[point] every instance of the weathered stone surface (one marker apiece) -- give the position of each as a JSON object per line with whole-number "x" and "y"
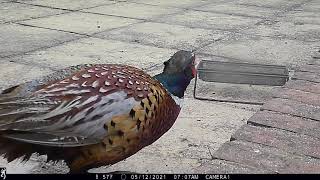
{"x": 313, "y": 5}
{"x": 238, "y": 9}
{"x": 180, "y": 4}
{"x": 216, "y": 166}
{"x": 14, "y": 73}
{"x": 69, "y": 4}
{"x": 308, "y": 76}
{"x": 310, "y": 68}
{"x": 164, "y": 35}
{"x": 95, "y": 50}
{"x": 14, "y": 12}
{"x": 303, "y": 17}
{"x": 84, "y": 23}
{"x": 133, "y": 10}
{"x": 198, "y": 19}
{"x": 281, "y": 139}
{"x": 17, "y": 39}
{"x": 286, "y": 122}
{"x": 286, "y": 30}
{"x": 303, "y": 86}
{"x": 270, "y": 3}
{"x": 298, "y": 95}
{"x": 293, "y": 108}
{"x": 261, "y": 50}
{"x": 268, "y": 158}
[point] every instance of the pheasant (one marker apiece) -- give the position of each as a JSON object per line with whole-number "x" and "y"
{"x": 93, "y": 114}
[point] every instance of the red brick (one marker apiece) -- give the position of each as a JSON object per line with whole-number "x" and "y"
{"x": 293, "y": 107}
{"x": 217, "y": 166}
{"x": 281, "y": 139}
{"x": 308, "y": 76}
{"x": 287, "y": 122}
{"x": 303, "y": 86}
{"x": 315, "y": 61}
{"x": 310, "y": 68}
{"x": 298, "y": 95}
{"x": 264, "y": 157}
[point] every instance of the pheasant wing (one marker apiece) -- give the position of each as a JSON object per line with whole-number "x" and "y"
{"x": 66, "y": 111}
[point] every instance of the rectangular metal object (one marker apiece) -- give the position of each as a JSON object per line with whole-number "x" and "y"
{"x": 243, "y": 73}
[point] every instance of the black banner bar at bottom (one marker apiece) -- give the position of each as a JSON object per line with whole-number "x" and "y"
{"x": 107, "y": 176}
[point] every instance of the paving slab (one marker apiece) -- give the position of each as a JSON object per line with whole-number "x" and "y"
{"x": 68, "y": 4}
{"x": 234, "y": 8}
{"x": 298, "y": 95}
{"x": 262, "y": 50}
{"x": 287, "y": 122}
{"x": 269, "y": 158}
{"x": 164, "y": 35}
{"x": 16, "y": 39}
{"x": 82, "y": 23}
{"x": 95, "y": 50}
{"x": 293, "y": 107}
{"x": 302, "y": 17}
{"x": 199, "y": 19}
{"x": 289, "y": 30}
{"x": 139, "y": 11}
{"x": 15, "y": 12}
{"x": 313, "y": 6}
{"x": 304, "y": 86}
{"x": 180, "y": 3}
{"x": 271, "y": 3}
{"x": 308, "y": 76}
{"x": 280, "y": 139}
{"x": 226, "y": 167}
{"x": 14, "y": 73}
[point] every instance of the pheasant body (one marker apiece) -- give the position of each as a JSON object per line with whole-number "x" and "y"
{"x": 90, "y": 115}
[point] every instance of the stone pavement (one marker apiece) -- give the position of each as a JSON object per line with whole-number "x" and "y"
{"x": 38, "y": 37}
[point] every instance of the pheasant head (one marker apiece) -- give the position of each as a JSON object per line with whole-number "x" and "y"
{"x": 178, "y": 71}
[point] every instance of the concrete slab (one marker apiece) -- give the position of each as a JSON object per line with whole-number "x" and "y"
{"x": 83, "y": 23}
{"x": 302, "y": 17}
{"x": 198, "y": 19}
{"x": 233, "y": 8}
{"x": 16, "y": 39}
{"x": 15, "y": 12}
{"x": 262, "y": 50}
{"x": 180, "y": 4}
{"x": 139, "y": 11}
{"x": 313, "y": 6}
{"x": 164, "y": 35}
{"x": 68, "y": 4}
{"x": 14, "y": 73}
{"x": 95, "y": 50}
{"x": 271, "y": 3}
{"x": 290, "y": 30}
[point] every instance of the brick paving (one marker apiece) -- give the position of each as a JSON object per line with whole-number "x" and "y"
{"x": 284, "y": 136}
